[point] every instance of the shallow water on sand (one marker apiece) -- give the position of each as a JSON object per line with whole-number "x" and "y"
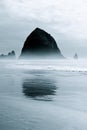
{"x": 43, "y": 95}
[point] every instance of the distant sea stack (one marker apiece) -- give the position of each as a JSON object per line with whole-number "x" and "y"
{"x": 75, "y": 56}
{"x": 40, "y": 44}
{"x": 10, "y": 55}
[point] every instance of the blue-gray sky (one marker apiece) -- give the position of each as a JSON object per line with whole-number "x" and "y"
{"x": 65, "y": 20}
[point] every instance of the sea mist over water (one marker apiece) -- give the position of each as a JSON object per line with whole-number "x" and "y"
{"x": 51, "y": 64}
{"x": 43, "y": 94}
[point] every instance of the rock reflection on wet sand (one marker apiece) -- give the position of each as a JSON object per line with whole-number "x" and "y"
{"x": 39, "y": 88}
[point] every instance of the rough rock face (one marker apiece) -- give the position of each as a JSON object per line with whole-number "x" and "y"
{"x": 40, "y": 43}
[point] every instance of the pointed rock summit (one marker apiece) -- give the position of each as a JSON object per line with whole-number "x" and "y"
{"x": 39, "y": 43}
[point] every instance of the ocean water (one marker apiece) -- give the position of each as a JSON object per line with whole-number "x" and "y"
{"x": 43, "y": 95}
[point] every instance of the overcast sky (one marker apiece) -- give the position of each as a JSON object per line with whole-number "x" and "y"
{"x": 65, "y": 20}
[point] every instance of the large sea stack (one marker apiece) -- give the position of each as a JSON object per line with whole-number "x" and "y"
{"x": 40, "y": 44}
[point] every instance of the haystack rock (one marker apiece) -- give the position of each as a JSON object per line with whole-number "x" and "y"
{"x": 40, "y": 44}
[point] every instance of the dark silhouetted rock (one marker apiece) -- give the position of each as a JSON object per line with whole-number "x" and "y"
{"x": 11, "y": 54}
{"x": 40, "y": 43}
{"x": 2, "y": 56}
